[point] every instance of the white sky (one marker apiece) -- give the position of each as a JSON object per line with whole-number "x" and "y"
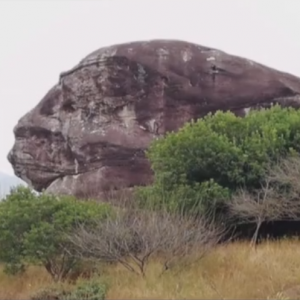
{"x": 39, "y": 39}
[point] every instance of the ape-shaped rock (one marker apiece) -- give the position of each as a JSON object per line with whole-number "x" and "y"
{"x": 89, "y": 133}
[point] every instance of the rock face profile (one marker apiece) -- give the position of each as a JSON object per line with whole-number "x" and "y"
{"x": 90, "y": 131}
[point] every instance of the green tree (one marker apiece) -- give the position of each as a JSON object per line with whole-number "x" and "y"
{"x": 34, "y": 229}
{"x": 220, "y": 153}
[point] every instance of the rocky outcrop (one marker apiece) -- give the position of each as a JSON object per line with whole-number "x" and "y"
{"x": 89, "y": 133}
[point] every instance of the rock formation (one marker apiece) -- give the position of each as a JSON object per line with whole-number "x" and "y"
{"x": 88, "y": 134}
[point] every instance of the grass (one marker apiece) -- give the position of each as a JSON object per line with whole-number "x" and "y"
{"x": 233, "y": 271}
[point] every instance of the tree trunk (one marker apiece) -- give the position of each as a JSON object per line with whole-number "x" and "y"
{"x": 255, "y": 235}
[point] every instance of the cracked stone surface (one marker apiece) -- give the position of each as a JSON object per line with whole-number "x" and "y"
{"x": 89, "y": 133}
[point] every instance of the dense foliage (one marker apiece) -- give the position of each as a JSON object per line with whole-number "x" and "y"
{"x": 207, "y": 160}
{"x": 34, "y": 229}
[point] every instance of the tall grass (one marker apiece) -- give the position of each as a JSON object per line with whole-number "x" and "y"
{"x": 233, "y": 271}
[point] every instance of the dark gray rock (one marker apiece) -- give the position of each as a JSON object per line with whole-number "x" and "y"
{"x": 89, "y": 133}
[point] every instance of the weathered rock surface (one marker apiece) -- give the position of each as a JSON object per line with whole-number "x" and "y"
{"x": 89, "y": 133}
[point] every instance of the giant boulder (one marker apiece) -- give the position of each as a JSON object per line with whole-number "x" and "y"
{"x": 90, "y": 131}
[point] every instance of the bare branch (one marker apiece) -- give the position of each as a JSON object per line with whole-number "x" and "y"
{"x": 133, "y": 236}
{"x": 277, "y": 200}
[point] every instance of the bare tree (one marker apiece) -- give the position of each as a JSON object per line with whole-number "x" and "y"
{"x": 133, "y": 236}
{"x": 277, "y": 200}
{"x": 287, "y": 174}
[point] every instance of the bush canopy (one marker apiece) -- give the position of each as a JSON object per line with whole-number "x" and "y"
{"x": 35, "y": 228}
{"x": 208, "y": 159}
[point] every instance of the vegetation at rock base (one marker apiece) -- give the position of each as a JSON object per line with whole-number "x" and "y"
{"x": 178, "y": 237}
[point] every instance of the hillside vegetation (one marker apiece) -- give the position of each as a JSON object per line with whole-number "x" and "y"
{"x": 200, "y": 231}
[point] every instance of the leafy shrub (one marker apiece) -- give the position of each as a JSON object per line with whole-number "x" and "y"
{"x": 198, "y": 199}
{"x": 34, "y": 229}
{"x": 50, "y": 293}
{"x": 87, "y": 290}
{"x": 220, "y": 153}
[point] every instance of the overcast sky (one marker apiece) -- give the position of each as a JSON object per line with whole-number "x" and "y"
{"x": 40, "y": 39}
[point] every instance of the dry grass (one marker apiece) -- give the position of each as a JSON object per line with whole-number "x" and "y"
{"x": 234, "y": 271}
{"x": 20, "y": 287}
